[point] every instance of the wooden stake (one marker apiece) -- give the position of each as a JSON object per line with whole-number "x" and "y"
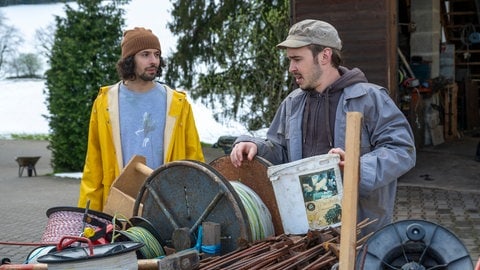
{"x": 211, "y": 236}
{"x": 348, "y": 236}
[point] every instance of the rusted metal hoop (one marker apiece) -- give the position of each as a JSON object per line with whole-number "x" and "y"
{"x": 254, "y": 175}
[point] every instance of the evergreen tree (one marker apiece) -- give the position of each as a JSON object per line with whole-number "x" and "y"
{"x": 226, "y": 52}
{"x": 85, "y": 50}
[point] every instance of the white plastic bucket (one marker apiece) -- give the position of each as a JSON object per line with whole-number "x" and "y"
{"x": 308, "y": 193}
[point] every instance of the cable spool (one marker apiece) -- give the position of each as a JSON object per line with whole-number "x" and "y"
{"x": 259, "y": 217}
{"x": 151, "y": 248}
{"x": 253, "y": 173}
{"x": 413, "y": 244}
{"x": 72, "y": 221}
{"x": 184, "y": 194}
{"x": 142, "y": 231}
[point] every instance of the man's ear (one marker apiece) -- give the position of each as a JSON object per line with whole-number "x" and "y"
{"x": 325, "y": 55}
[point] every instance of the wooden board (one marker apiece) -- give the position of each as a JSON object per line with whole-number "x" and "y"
{"x": 450, "y": 109}
{"x": 348, "y": 239}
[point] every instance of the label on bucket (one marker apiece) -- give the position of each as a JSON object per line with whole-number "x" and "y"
{"x": 308, "y": 193}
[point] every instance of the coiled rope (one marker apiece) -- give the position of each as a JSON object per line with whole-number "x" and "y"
{"x": 259, "y": 217}
{"x": 151, "y": 248}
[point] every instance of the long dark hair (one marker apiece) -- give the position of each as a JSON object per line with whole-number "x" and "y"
{"x": 126, "y": 68}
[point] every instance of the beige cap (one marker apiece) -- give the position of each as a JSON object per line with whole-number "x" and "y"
{"x": 308, "y": 32}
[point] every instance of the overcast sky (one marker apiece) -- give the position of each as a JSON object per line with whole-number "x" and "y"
{"x": 152, "y": 14}
{"x": 22, "y": 102}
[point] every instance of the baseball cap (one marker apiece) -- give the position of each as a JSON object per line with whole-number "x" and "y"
{"x": 308, "y": 32}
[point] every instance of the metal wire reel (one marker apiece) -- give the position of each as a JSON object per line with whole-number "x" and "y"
{"x": 183, "y": 194}
{"x": 413, "y": 245}
{"x": 252, "y": 173}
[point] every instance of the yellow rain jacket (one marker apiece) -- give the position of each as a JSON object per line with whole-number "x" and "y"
{"x": 104, "y": 161}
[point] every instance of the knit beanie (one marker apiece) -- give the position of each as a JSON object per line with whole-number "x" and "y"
{"x": 138, "y": 39}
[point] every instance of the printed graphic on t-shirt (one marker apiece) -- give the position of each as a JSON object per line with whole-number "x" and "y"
{"x": 148, "y": 127}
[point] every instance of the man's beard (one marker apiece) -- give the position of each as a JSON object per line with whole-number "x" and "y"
{"x": 146, "y": 77}
{"x": 309, "y": 85}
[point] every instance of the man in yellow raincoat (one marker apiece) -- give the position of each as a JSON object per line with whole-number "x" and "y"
{"x": 136, "y": 116}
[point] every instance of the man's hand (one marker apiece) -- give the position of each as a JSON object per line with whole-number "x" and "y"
{"x": 239, "y": 150}
{"x": 341, "y": 153}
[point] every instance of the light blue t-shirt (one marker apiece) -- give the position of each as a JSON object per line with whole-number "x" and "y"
{"x": 142, "y": 124}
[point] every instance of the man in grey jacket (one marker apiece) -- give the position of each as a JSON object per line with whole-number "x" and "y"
{"x": 312, "y": 120}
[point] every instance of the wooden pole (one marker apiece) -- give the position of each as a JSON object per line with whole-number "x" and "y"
{"x": 211, "y": 237}
{"x": 168, "y": 263}
{"x": 348, "y": 236}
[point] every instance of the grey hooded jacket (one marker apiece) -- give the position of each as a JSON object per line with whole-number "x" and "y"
{"x": 387, "y": 144}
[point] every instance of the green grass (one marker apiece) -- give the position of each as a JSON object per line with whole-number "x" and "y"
{"x": 204, "y": 144}
{"x": 23, "y": 136}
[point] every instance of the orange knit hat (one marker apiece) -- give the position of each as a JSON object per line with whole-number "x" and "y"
{"x": 138, "y": 39}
